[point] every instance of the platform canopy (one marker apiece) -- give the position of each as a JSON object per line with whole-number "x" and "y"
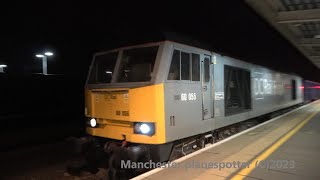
{"x": 297, "y": 20}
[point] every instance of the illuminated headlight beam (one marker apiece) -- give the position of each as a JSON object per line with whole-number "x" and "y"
{"x": 144, "y": 128}
{"x": 93, "y": 122}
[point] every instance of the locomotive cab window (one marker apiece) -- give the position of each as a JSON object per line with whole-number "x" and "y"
{"x": 206, "y": 69}
{"x": 184, "y": 66}
{"x": 237, "y": 90}
{"x": 136, "y": 65}
{"x": 195, "y": 67}
{"x": 103, "y": 68}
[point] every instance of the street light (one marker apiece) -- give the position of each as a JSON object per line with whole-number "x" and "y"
{"x": 48, "y": 53}
{"x": 1, "y": 67}
{"x": 44, "y": 61}
{"x": 39, "y": 55}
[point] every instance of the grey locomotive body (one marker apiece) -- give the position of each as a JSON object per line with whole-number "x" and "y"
{"x": 224, "y": 91}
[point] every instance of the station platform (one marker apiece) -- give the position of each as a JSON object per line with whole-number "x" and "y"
{"x": 286, "y": 147}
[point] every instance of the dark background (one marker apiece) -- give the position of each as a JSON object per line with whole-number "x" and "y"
{"x": 36, "y": 108}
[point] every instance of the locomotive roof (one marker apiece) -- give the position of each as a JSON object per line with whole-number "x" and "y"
{"x": 185, "y": 40}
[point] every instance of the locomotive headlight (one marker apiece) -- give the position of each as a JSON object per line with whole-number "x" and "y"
{"x": 93, "y": 122}
{"x": 144, "y": 128}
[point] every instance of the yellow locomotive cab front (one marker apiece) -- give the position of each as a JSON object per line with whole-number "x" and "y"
{"x": 121, "y": 113}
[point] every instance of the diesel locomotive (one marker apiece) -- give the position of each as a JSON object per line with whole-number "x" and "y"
{"x": 162, "y": 100}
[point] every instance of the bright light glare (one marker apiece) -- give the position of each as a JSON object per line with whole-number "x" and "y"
{"x": 3, "y": 65}
{"x": 39, "y": 55}
{"x": 145, "y": 128}
{"x": 93, "y": 122}
{"x": 108, "y": 72}
{"x": 48, "y": 53}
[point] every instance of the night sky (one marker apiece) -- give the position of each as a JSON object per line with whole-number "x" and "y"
{"x": 75, "y": 30}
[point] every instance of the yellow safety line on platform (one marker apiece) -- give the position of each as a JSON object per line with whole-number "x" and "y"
{"x": 245, "y": 172}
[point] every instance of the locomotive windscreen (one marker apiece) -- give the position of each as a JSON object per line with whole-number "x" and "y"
{"x": 136, "y": 65}
{"x": 103, "y": 67}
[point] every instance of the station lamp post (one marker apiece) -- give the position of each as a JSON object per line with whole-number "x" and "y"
{"x": 2, "y": 66}
{"x": 44, "y": 58}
